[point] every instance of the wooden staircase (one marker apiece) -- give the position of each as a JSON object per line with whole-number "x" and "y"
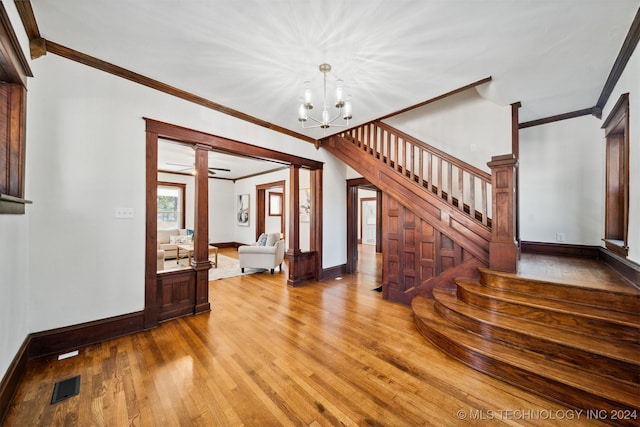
{"x": 436, "y": 209}
{"x": 575, "y": 344}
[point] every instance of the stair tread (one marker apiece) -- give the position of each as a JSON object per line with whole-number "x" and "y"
{"x": 592, "y": 383}
{"x": 622, "y": 351}
{"x": 568, "y": 307}
{"x": 595, "y": 286}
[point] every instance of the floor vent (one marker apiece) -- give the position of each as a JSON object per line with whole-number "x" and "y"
{"x": 65, "y": 389}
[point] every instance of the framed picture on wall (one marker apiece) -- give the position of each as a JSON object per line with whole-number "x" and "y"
{"x": 305, "y": 204}
{"x": 275, "y": 204}
{"x": 243, "y": 210}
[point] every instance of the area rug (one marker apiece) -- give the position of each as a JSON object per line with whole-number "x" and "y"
{"x": 227, "y": 267}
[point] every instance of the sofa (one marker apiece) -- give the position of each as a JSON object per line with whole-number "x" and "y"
{"x": 267, "y": 253}
{"x": 168, "y": 241}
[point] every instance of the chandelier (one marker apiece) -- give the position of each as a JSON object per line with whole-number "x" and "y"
{"x": 341, "y": 103}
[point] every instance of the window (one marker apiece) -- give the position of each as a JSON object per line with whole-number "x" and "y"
{"x": 617, "y": 178}
{"x": 171, "y": 206}
{"x": 14, "y": 71}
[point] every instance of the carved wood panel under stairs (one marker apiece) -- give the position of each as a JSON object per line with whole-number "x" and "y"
{"x": 415, "y": 254}
{"x": 427, "y": 239}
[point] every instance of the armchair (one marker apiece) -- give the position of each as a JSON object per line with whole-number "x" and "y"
{"x": 268, "y": 255}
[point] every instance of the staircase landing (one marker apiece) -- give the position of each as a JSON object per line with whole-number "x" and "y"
{"x": 572, "y": 271}
{"x": 565, "y": 328}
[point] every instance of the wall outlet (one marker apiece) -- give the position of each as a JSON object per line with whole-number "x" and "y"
{"x": 560, "y": 237}
{"x": 124, "y": 213}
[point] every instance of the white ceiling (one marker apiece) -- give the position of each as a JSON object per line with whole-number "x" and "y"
{"x": 553, "y": 56}
{"x": 174, "y": 157}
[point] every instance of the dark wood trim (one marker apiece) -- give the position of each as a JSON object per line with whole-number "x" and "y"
{"x": 13, "y": 376}
{"x": 558, "y": 249}
{"x": 515, "y": 150}
{"x": 333, "y": 272}
{"x": 432, "y": 100}
{"x": 253, "y": 175}
{"x": 628, "y": 46}
{"x": 627, "y": 269}
{"x": 70, "y": 338}
{"x": 90, "y": 61}
{"x": 28, "y": 18}
{"x": 151, "y": 290}
{"x": 14, "y": 67}
{"x": 618, "y": 112}
{"x": 190, "y": 136}
{"x": 352, "y": 224}
{"x": 317, "y": 220}
{"x": 579, "y": 113}
{"x": 261, "y": 191}
{"x": 227, "y": 244}
{"x": 200, "y": 262}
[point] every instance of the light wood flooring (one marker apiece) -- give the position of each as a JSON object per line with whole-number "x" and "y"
{"x": 323, "y": 354}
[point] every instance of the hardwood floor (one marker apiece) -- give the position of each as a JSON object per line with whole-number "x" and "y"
{"x": 323, "y": 354}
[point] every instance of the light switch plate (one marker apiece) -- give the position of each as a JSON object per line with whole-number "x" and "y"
{"x": 124, "y": 213}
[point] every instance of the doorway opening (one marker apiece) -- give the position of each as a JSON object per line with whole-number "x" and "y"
{"x": 364, "y": 228}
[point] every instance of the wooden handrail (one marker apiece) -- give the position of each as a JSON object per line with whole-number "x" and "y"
{"x": 449, "y": 178}
{"x": 453, "y": 160}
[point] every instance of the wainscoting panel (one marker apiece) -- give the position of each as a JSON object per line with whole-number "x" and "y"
{"x": 415, "y": 252}
{"x": 177, "y": 290}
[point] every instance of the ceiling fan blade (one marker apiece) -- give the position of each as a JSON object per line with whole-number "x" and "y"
{"x": 220, "y": 169}
{"x": 185, "y": 167}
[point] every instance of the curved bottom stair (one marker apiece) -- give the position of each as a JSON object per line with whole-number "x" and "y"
{"x": 577, "y": 345}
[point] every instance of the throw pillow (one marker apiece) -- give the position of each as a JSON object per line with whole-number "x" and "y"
{"x": 262, "y": 240}
{"x": 272, "y": 238}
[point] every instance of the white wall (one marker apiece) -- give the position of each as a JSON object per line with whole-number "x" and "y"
{"x": 247, "y": 235}
{"x": 14, "y": 286}
{"x": 86, "y": 157}
{"x": 464, "y": 125}
{"x": 222, "y": 211}
{"x": 630, "y": 83}
{"x": 562, "y": 182}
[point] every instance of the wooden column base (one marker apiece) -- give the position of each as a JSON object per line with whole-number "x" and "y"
{"x": 503, "y": 256}
{"x": 302, "y": 267}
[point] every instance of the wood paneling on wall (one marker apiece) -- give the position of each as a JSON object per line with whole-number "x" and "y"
{"x": 415, "y": 252}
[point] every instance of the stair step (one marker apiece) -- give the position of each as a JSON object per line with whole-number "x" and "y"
{"x": 619, "y": 298}
{"x": 593, "y": 321}
{"x": 563, "y": 383}
{"x": 616, "y": 360}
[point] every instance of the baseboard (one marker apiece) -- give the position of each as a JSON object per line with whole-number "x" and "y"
{"x": 70, "y": 338}
{"x": 559, "y": 249}
{"x": 226, "y": 244}
{"x": 12, "y": 378}
{"x": 333, "y": 272}
{"x": 627, "y": 269}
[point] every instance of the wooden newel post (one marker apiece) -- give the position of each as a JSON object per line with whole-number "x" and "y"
{"x": 503, "y": 248}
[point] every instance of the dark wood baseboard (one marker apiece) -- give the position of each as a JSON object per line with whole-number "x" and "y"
{"x": 12, "y": 378}
{"x": 227, "y": 244}
{"x": 558, "y": 249}
{"x": 332, "y": 272}
{"x": 69, "y": 338}
{"x": 627, "y": 269}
